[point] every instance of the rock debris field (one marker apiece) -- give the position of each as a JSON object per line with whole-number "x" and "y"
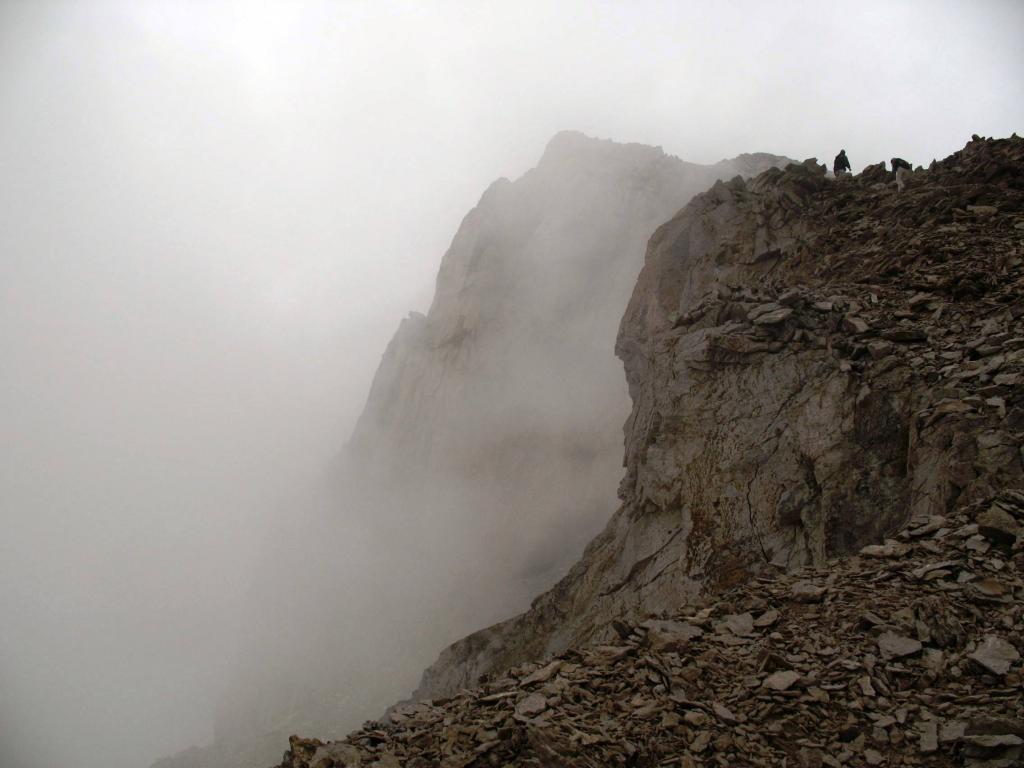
{"x": 907, "y": 654}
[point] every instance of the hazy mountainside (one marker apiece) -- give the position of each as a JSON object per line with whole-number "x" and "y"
{"x": 487, "y": 455}
{"x": 814, "y": 364}
{"x": 811, "y": 362}
{"x": 501, "y": 409}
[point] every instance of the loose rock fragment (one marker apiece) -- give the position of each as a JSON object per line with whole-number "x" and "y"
{"x": 781, "y": 681}
{"x": 895, "y": 646}
{"x": 996, "y": 655}
{"x": 807, "y": 592}
{"x": 532, "y": 705}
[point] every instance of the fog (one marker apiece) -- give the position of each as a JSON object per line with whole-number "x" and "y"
{"x": 213, "y": 217}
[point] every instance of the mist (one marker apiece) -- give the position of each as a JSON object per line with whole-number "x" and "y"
{"x": 213, "y": 217}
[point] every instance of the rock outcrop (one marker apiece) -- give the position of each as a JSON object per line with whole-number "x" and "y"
{"x": 500, "y": 410}
{"x": 812, "y": 362}
{"x": 488, "y": 453}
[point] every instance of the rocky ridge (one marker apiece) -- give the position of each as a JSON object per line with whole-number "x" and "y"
{"x": 908, "y": 653}
{"x": 811, "y": 362}
{"x": 839, "y": 582}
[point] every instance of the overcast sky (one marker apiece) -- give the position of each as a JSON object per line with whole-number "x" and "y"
{"x": 213, "y": 215}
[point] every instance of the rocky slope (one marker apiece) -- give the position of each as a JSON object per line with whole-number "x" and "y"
{"x": 907, "y": 654}
{"x": 487, "y": 455}
{"x": 811, "y": 363}
{"x": 814, "y": 364}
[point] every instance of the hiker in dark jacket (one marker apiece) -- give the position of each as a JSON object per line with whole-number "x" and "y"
{"x": 841, "y": 164}
{"x": 902, "y": 170}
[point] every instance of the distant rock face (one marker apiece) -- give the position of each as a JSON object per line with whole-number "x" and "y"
{"x": 489, "y": 450}
{"x": 504, "y": 403}
{"x": 811, "y": 362}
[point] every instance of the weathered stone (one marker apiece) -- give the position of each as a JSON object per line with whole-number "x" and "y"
{"x": 904, "y": 335}
{"x": 893, "y": 646}
{"x": 996, "y": 655}
{"x": 531, "y": 705}
{"x": 738, "y": 624}
{"x": 724, "y": 713}
{"x": 336, "y": 755}
{"x": 543, "y": 674}
{"x": 853, "y": 324}
{"x": 998, "y": 525}
{"x": 807, "y": 592}
{"x": 888, "y": 549}
{"x": 772, "y": 316}
{"x": 781, "y": 681}
{"x": 670, "y": 635}
{"x": 929, "y": 740}
{"x": 983, "y": 210}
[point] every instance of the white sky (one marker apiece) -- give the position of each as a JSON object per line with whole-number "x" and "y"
{"x": 213, "y": 215}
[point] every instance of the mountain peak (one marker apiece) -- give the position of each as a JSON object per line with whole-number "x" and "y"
{"x": 569, "y": 146}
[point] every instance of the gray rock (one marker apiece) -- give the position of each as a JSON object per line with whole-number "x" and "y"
{"x": 996, "y": 655}
{"x": 337, "y": 754}
{"x": 893, "y": 646}
{"x": 781, "y": 681}
{"x": 741, "y": 624}
{"x": 543, "y": 674}
{"x": 531, "y": 705}
{"x": 998, "y": 525}
{"x": 770, "y": 317}
{"x": 889, "y": 549}
{"x": 807, "y": 592}
{"x": 853, "y": 324}
{"x": 929, "y": 741}
{"x": 670, "y": 635}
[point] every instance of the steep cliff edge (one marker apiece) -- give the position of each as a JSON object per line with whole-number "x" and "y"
{"x": 487, "y": 455}
{"x": 812, "y": 362}
{"x": 500, "y": 409}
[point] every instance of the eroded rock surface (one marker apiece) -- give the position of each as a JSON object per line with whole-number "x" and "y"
{"x": 812, "y": 362}
{"x": 500, "y": 410}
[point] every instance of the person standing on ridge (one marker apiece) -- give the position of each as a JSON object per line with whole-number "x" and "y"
{"x": 902, "y": 170}
{"x": 841, "y": 164}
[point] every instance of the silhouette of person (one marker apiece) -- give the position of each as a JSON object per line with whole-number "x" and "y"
{"x": 902, "y": 170}
{"x": 841, "y": 164}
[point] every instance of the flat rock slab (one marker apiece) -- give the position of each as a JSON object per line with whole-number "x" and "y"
{"x": 532, "y": 705}
{"x": 781, "y": 681}
{"x": 995, "y": 654}
{"x": 893, "y": 646}
{"x": 740, "y": 624}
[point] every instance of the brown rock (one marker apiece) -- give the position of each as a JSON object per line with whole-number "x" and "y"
{"x": 893, "y": 646}
{"x": 995, "y": 654}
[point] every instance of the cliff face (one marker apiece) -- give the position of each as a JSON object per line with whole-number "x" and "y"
{"x": 503, "y": 405}
{"x": 487, "y": 455}
{"x": 812, "y": 362}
